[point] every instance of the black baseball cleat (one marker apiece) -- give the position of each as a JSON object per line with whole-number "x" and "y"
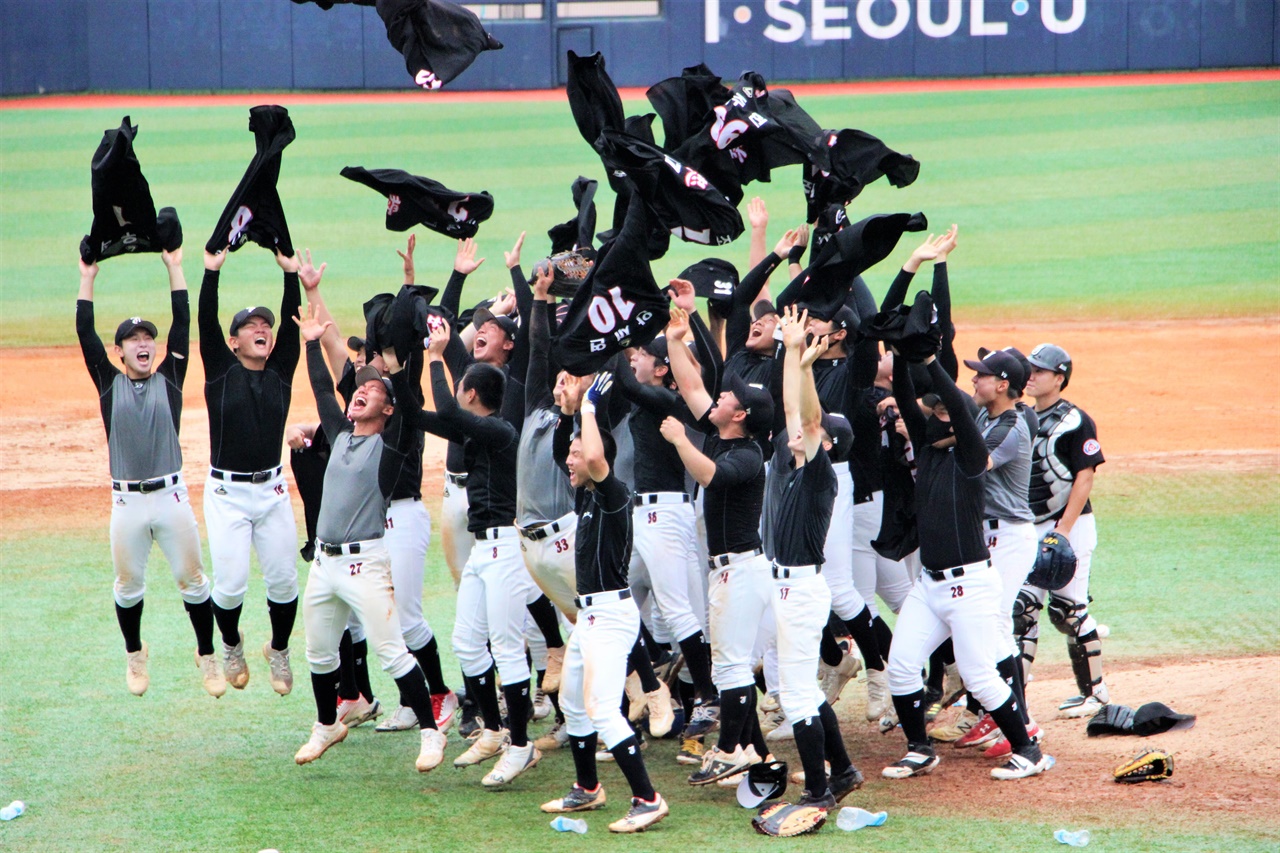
{"x": 844, "y": 784}
{"x": 827, "y": 800}
{"x": 919, "y": 760}
{"x": 704, "y": 720}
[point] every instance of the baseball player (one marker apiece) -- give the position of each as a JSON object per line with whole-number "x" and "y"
{"x": 595, "y": 666}
{"x": 730, "y": 468}
{"x": 1065, "y": 456}
{"x": 248, "y": 386}
{"x": 958, "y": 592}
{"x": 141, "y": 409}
{"x": 352, "y": 571}
{"x": 495, "y": 586}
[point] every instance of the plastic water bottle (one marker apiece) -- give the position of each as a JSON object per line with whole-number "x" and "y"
{"x": 851, "y": 818}
{"x": 1075, "y": 839}
{"x": 568, "y": 824}
{"x": 14, "y": 809}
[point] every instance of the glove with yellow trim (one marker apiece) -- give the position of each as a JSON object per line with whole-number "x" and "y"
{"x": 1150, "y": 765}
{"x": 783, "y": 820}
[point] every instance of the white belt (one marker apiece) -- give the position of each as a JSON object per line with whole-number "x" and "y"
{"x": 721, "y": 560}
{"x": 787, "y": 572}
{"x": 497, "y": 533}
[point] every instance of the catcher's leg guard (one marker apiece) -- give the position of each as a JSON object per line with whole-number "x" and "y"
{"x": 1026, "y": 629}
{"x": 1086, "y": 665}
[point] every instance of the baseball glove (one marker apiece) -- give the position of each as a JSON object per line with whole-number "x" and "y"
{"x": 1150, "y": 765}
{"x": 1055, "y": 563}
{"x": 783, "y": 820}
{"x": 569, "y": 270}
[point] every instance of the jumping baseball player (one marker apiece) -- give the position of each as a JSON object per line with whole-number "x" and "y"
{"x": 352, "y": 571}
{"x": 595, "y": 666}
{"x": 248, "y": 385}
{"x": 958, "y": 592}
{"x": 1065, "y": 457}
{"x": 495, "y": 586}
{"x": 141, "y": 409}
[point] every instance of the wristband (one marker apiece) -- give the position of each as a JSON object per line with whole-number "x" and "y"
{"x": 796, "y": 253}
{"x": 587, "y": 407}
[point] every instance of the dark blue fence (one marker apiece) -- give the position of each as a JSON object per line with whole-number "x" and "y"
{"x": 205, "y": 45}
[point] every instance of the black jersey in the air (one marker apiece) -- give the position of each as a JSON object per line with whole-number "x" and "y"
{"x": 603, "y": 547}
{"x": 247, "y": 408}
{"x": 950, "y": 483}
{"x": 802, "y": 513}
{"x": 1065, "y": 443}
{"x": 735, "y": 495}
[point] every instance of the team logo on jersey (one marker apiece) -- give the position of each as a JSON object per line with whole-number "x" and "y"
{"x": 393, "y": 204}
{"x": 1091, "y": 447}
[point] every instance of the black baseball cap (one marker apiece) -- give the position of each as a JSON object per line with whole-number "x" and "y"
{"x": 755, "y": 401}
{"x": 1001, "y": 365}
{"x": 369, "y": 373}
{"x": 484, "y": 315}
{"x": 840, "y": 431}
{"x": 355, "y": 344}
{"x": 840, "y": 316}
{"x": 762, "y": 309}
{"x": 764, "y": 781}
{"x": 243, "y": 315}
{"x": 127, "y": 328}
{"x": 658, "y": 349}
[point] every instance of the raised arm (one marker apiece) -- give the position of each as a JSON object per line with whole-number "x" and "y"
{"x": 412, "y": 415}
{"x": 519, "y": 361}
{"x": 695, "y": 461}
{"x": 941, "y": 293}
{"x": 683, "y": 368}
{"x": 971, "y": 448}
{"x": 592, "y": 444}
{"x": 178, "y": 346}
{"x": 487, "y": 431}
{"x": 331, "y": 341}
{"x": 100, "y": 367}
{"x": 758, "y": 216}
{"x": 904, "y": 392}
{"x": 332, "y": 419}
{"x": 284, "y": 356}
{"x": 537, "y": 376}
{"x": 214, "y": 352}
{"x": 464, "y": 263}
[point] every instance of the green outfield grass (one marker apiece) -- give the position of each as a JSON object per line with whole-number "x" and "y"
{"x": 1122, "y": 202}
{"x": 176, "y": 770}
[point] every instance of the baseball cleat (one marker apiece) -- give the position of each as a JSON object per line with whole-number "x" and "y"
{"x": 770, "y": 703}
{"x": 432, "y": 751}
{"x": 469, "y": 722}
{"x": 488, "y": 745}
{"x": 888, "y": 722}
{"x": 353, "y": 712}
{"x": 555, "y": 738}
{"x": 443, "y": 708}
{"x": 1002, "y": 748}
{"x": 642, "y": 815}
{"x": 637, "y": 701}
{"x": 919, "y": 761}
{"x": 322, "y": 737}
{"x": 1078, "y": 707}
{"x": 984, "y": 731}
{"x": 953, "y": 731}
{"x": 555, "y": 664}
{"x": 691, "y": 751}
{"x": 772, "y": 720}
{"x": 704, "y": 720}
{"x": 401, "y": 720}
{"x": 234, "y": 666}
{"x": 135, "y": 672}
{"x": 717, "y": 764}
{"x": 836, "y": 677}
{"x": 1020, "y": 767}
{"x": 878, "y": 703}
{"x": 577, "y": 800}
{"x": 514, "y": 761}
{"x": 753, "y": 757}
{"x": 661, "y": 715}
{"x": 844, "y": 784}
{"x": 797, "y": 778}
{"x": 214, "y": 682}
{"x": 542, "y": 706}
{"x": 281, "y": 676}
{"x": 808, "y": 799}
{"x": 781, "y": 732}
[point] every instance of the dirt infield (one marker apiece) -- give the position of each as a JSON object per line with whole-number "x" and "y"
{"x": 410, "y": 95}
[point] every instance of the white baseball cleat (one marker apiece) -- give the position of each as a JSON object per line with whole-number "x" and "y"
{"x": 836, "y": 677}
{"x": 234, "y": 666}
{"x": 214, "y": 683}
{"x": 955, "y": 730}
{"x": 514, "y": 761}
{"x": 322, "y": 737}
{"x": 135, "y": 672}
{"x": 443, "y": 707}
{"x": 281, "y": 675}
{"x": 661, "y": 715}
{"x": 914, "y": 763}
{"x": 555, "y": 738}
{"x": 488, "y": 745}
{"x": 769, "y": 704}
{"x": 353, "y": 712}
{"x": 542, "y": 706}
{"x": 782, "y": 732}
{"x": 1078, "y": 707}
{"x": 1018, "y": 767}
{"x": 878, "y": 703}
{"x": 637, "y": 701}
{"x": 555, "y": 664}
{"x": 432, "y": 752}
{"x": 642, "y": 815}
{"x": 401, "y": 720}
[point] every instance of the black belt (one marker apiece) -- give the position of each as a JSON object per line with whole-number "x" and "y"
{"x": 783, "y": 572}
{"x": 654, "y": 497}
{"x": 865, "y": 499}
{"x": 485, "y": 533}
{"x": 330, "y": 549}
{"x": 992, "y": 523}
{"x": 456, "y": 479}
{"x": 584, "y": 601}
{"x": 722, "y": 560}
{"x": 537, "y": 534}
{"x": 255, "y": 477}
{"x": 146, "y": 486}
{"x": 947, "y": 574}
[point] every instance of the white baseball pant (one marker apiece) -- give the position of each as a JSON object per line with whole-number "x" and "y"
{"x": 595, "y": 668}
{"x": 800, "y": 603}
{"x": 873, "y": 573}
{"x": 164, "y": 517}
{"x": 408, "y": 535}
{"x": 361, "y": 582}
{"x": 837, "y": 552}
{"x": 493, "y": 597}
{"x": 550, "y": 561}
{"x": 457, "y": 540}
{"x": 740, "y": 593}
{"x": 238, "y": 515}
{"x": 665, "y": 543}
{"x": 1013, "y": 550}
{"x": 1084, "y": 539}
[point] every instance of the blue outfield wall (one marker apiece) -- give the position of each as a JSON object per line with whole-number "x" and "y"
{"x": 205, "y": 45}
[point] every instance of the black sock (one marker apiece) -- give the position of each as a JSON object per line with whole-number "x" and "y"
{"x": 414, "y": 693}
{"x": 325, "y": 687}
{"x": 584, "y": 761}
{"x": 360, "y": 664}
{"x": 884, "y": 636}
{"x": 429, "y": 659}
{"x": 938, "y": 661}
{"x": 761, "y": 684}
{"x": 733, "y": 716}
{"x": 228, "y": 623}
{"x": 347, "y": 688}
{"x": 1009, "y": 718}
{"x": 833, "y": 744}
{"x": 697, "y": 659}
{"x": 639, "y": 662}
{"x": 201, "y": 616}
{"x": 973, "y": 706}
{"x": 282, "y": 615}
{"x": 544, "y": 614}
{"x": 555, "y": 703}
{"x": 655, "y": 649}
{"x": 752, "y": 734}
{"x": 862, "y": 629}
{"x": 539, "y": 675}
{"x": 688, "y": 697}
{"x": 910, "y": 710}
{"x": 1009, "y": 671}
{"x": 811, "y": 743}
{"x": 130, "y": 619}
{"x": 517, "y": 696}
{"x": 829, "y": 649}
{"x": 631, "y": 763}
{"x": 482, "y": 690}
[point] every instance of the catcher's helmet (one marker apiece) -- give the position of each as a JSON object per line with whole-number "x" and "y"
{"x": 1055, "y": 563}
{"x": 1052, "y": 357}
